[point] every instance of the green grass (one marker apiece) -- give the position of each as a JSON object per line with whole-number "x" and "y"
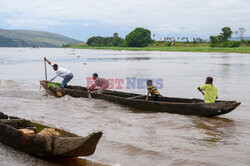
{"x": 175, "y": 49}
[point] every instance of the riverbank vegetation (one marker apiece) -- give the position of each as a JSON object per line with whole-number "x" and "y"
{"x": 174, "y": 49}
{"x": 140, "y": 39}
{"x": 221, "y": 40}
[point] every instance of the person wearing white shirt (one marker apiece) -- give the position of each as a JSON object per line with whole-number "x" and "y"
{"x": 61, "y": 72}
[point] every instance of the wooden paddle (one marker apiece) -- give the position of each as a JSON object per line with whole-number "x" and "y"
{"x": 89, "y": 94}
{"x": 46, "y": 78}
{"x": 201, "y": 91}
{"x": 134, "y": 97}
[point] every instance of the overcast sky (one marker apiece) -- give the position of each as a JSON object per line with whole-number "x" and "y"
{"x": 82, "y": 19}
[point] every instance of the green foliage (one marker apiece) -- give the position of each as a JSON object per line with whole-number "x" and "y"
{"x": 98, "y": 41}
{"x": 118, "y": 42}
{"x": 139, "y": 37}
{"x": 245, "y": 42}
{"x": 222, "y": 39}
{"x": 213, "y": 41}
{"x": 160, "y": 44}
{"x": 232, "y": 44}
{"x": 226, "y": 33}
{"x": 228, "y": 44}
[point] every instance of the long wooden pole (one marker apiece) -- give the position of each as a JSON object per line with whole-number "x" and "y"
{"x": 46, "y": 78}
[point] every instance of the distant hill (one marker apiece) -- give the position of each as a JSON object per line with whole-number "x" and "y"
{"x": 26, "y": 38}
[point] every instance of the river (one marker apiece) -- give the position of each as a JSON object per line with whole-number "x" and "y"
{"x": 129, "y": 138}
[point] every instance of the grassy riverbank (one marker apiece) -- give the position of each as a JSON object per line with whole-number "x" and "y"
{"x": 175, "y": 49}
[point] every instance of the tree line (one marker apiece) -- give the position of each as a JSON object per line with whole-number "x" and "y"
{"x": 99, "y": 41}
{"x": 222, "y": 40}
{"x": 141, "y": 37}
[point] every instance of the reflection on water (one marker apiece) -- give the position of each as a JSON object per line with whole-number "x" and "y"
{"x": 212, "y": 130}
{"x": 131, "y": 138}
{"x": 139, "y": 58}
{"x": 103, "y": 59}
{"x": 10, "y": 156}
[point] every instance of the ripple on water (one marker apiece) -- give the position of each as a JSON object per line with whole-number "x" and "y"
{"x": 130, "y": 137}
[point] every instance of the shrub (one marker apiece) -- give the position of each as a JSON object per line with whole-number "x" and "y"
{"x": 228, "y": 44}
{"x": 98, "y": 41}
{"x": 232, "y": 44}
{"x": 139, "y": 37}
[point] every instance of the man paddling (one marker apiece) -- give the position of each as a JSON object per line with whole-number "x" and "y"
{"x": 61, "y": 72}
{"x": 210, "y": 91}
{"x": 101, "y": 83}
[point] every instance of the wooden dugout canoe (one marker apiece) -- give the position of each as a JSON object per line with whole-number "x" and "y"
{"x": 164, "y": 104}
{"x": 65, "y": 145}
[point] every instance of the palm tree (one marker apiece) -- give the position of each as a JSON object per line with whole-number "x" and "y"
{"x": 241, "y": 31}
{"x": 236, "y": 33}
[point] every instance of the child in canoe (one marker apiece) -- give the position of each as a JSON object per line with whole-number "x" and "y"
{"x": 210, "y": 91}
{"x": 153, "y": 91}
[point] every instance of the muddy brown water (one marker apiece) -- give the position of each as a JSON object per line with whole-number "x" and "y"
{"x": 131, "y": 138}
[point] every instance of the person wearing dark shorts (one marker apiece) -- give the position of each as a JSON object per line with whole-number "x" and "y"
{"x": 101, "y": 83}
{"x": 153, "y": 91}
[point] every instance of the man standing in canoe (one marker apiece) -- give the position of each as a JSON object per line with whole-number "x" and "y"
{"x": 210, "y": 91}
{"x": 101, "y": 83}
{"x": 62, "y": 72}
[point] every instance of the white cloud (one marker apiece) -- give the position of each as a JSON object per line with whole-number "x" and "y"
{"x": 161, "y": 16}
{"x": 32, "y": 23}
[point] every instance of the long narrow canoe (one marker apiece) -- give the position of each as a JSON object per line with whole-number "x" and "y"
{"x": 165, "y": 104}
{"x": 65, "y": 145}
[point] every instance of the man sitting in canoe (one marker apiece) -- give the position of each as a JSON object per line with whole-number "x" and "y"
{"x": 101, "y": 83}
{"x": 62, "y": 72}
{"x": 153, "y": 91}
{"x": 210, "y": 91}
